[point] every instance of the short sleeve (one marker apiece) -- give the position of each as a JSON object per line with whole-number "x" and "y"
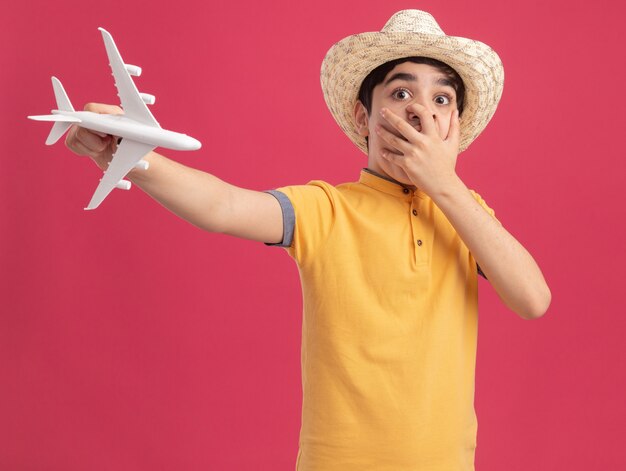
{"x": 289, "y": 219}
{"x": 313, "y": 206}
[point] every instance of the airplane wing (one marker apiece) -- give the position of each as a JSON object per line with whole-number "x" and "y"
{"x": 134, "y": 106}
{"x": 127, "y": 155}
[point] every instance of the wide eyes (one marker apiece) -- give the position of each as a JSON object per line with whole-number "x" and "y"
{"x": 402, "y": 94}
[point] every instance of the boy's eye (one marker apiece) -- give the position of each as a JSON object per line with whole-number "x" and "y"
{"x": 442, "y": 100}
{"x": 401, "y": 94}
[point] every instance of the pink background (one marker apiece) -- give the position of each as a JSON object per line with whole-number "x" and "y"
{"x": 130, "y": 340}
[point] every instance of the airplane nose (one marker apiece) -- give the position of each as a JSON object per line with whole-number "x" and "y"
{"x": 192, "y": 144}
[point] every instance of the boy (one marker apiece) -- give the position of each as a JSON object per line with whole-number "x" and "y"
{"x": 389, "y": 263}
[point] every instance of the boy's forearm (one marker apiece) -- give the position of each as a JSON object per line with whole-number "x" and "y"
{"x": 195, "y": 196}
{"x": 509, "y": 267}
{"x": 198, "y": 197}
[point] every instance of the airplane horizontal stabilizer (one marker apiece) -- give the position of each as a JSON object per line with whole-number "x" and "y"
{"x": 55, "y": 117}
{"x": 58, "y": 129}
{"x": 61, "y": 125}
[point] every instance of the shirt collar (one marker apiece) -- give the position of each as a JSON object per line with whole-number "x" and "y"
{"x": 387, "y": 185}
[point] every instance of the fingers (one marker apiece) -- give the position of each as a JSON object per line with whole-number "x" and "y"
{"x": 82, "y": 150}
{"x": 393, "y": 141}
{"x": 393, "y": 157}
{"x": 74, "y": 144}
{"x": 103, "y": 109}
{"x": 92, "y": 141}
{"x": 88, "y": 142}
{"x": 404, "y": 128}
{"x": 430, "y": 126}
{"x": 454, "y": 133}
{"x": 85, "y": 142}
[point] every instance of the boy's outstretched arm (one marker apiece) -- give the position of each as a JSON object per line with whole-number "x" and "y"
{"x": 198, "y": 197}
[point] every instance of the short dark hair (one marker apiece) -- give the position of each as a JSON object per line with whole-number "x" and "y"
{"x": 377, "y": 75}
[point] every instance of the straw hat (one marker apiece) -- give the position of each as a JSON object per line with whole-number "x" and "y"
{"x": 412, "y": 33}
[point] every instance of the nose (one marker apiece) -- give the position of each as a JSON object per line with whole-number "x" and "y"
{"x": 412, "y": 115}
{"x": 413, "y": 118}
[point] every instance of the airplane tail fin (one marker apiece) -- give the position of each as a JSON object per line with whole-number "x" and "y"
{"x": 63, "y": 102}
{"x": 62, "y": 123}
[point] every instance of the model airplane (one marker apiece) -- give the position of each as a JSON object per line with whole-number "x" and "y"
{"x": 139, "y": 131}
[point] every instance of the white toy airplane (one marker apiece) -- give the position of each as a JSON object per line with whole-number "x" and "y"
{"x": 139, "y": 131}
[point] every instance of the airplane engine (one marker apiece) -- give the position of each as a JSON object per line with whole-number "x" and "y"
{"x": 147, "y": 98}
{"x": 133, "y": 70}
{"x": 123, "y": 185}
{"x": 142, "y": 164}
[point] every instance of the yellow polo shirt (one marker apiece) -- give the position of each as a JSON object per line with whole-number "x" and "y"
{"x": 389, "y": 330}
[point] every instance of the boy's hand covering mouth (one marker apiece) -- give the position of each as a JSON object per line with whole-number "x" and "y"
{"x": 426, "y": 158}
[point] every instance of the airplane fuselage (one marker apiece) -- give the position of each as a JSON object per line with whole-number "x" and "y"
{"x": 121, "y": 126}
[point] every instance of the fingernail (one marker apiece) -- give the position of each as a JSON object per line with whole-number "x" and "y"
{"x": 101, "y": 134}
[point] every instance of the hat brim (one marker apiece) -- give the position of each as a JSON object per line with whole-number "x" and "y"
{"x": 350, "y": 60}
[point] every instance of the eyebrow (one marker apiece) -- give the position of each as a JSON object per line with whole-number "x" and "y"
{"x": 443, "y": 81}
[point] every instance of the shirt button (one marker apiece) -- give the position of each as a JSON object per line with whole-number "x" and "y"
{"x": 419, "y": 242}
{"x": 405, "y": 191}
{"x": 415, "y": 212}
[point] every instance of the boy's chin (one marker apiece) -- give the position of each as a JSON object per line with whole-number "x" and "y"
{"x": 398, "y": 175}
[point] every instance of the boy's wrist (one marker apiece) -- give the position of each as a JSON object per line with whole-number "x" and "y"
{"x": 451, "y": 190}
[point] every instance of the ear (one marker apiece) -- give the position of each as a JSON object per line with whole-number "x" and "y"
{"x": 361, "y": 119}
